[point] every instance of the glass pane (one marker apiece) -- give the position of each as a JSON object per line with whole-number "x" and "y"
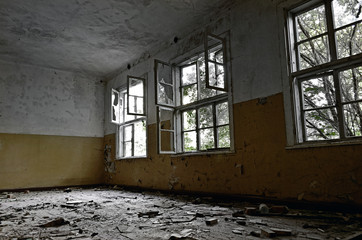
{"x": 189, "y": 120}
{"x": 135, "y": 87}
{"x": 189, "y": 94}
{"x": 353, "y": 119}
{"x": 207, "y": 139}
{"x": 165, "y": 94}
{"x": 164, "y": 73}
{"x": 216, "y": 75}
{"x": 128, "y": 133}
{"x": 321, "y": 124}
{"x": 216, "y": 54}
{"x": 166, "y": 119}
{"x": 313, "y": 53}
{"x": 349, "y": 41}
{"x": 351, "y": 84}
{"x": 188, "y": 75}
{"x": 139, "y": 105}
{"x": 189, "y": 139}
{"x": 167, "y": 140}
{"x": 222, "y": 113}
{"x": 115, "y": 106}
{"x": 206, "y": 117}
{"x": 223, "y": 137}
{"x": 127, "y": 149}
{"x": 140, "y": 138}
{"x": 311, "y": 23}
{"x": 319, "y": 92}
{"x": 346, "y": 11}
{"x": 205, "y": 92}
{"x": 127, "y": 116}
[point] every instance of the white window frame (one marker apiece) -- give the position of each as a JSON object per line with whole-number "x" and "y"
{"x": 121, "y": 123}
{"x": 332, "y": 67}
{"x": 175, "y": 66}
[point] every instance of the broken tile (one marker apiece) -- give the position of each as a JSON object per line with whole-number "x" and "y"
{"x": 266, "y": 232}
{"x": 211, "y": 221}
{"x": 251, "y": 211}
{"x": 238, "y": 230}
{"x": 55, "y": 223}
{"x": 282, "y": 232}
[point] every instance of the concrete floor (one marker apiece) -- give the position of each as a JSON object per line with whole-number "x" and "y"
{"x": 113, "y": 213}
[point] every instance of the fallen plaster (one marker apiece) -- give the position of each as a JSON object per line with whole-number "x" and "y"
{"x": 113, "y": 213}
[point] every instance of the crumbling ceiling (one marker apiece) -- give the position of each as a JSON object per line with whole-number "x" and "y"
{"x": 97, "y": 37}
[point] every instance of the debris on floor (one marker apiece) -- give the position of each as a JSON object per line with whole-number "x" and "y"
{"x": 114, "y": 213}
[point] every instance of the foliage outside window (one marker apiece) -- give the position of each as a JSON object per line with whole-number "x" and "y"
{"x": 194, "y": 111}
{"x": 128, "y": 112}
{"x": 326, "y": 62}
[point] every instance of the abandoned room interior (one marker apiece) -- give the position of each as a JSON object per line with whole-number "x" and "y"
{"x": 182, "y": 119}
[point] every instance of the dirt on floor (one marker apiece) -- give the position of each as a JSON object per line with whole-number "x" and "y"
{"x": 114, "y": 213}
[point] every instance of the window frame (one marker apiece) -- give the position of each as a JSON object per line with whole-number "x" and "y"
{"x": 332, "y": 67}
{"x": 123, "y": 99}
{"x": 177, "y": 64}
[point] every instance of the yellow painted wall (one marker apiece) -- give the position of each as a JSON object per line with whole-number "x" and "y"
{"x": 35, "y": 161}
{"x": 261, "y": 166}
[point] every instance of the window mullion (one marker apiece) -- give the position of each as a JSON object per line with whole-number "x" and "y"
{"x": 331, "y": 32}
{"x": 198, "y": 142}
{"x": 132, "y": 141}
{"x": 334, "y": 57}
{"x": 216, "y": 137}
{"x": 339, "y": 105}
{"x": 301, "y": 109}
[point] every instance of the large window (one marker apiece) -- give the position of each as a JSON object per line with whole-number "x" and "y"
{"x": 129, "y": 114}
{"x": 193, "y": 101}
{"x": 325, "y": 40}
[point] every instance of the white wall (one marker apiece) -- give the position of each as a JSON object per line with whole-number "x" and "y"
{"x": 35, "y": 100}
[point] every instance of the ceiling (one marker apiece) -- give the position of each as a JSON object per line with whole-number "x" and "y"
{"x": 96, "y": 37}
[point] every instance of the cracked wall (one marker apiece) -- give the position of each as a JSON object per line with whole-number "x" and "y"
{"x": 261, "y": 165}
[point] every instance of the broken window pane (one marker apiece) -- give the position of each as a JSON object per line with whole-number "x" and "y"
{"x": 321, "y": 124}
{"x": 313, "y": 53}
{"x": 223, "y": 137}
{"x": 189, "y": 141}
{"x": 222, "y": 113}
{"x": 140, "y": 138}
{"x": 353, "y": 119}
{"x": 216, "y": 54}
{"x": 115, "y": 106}
{"x": 188, "y": 75}
{"x": 165, "y": 84}
{"x": 349, "y": 41}
{"x": 346, "y": 11}
{"x": 311, "y": 23}
{"x": 319, "y": 92}
{"x": 189, "y": 120}
{"x": 206, "y": 116}
{"x": 207, "y": 139}
{"x": 351, "y": 84}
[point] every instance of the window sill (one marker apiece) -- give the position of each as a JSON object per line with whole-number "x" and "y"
{"x": 131, "y": 158}
{"x": 190, "y": 154}
{"x": 325, "y": 144}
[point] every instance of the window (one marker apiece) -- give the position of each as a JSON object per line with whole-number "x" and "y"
{"x": 193, "y": 101}
{"x": 129, "y": 114}
{"x": 325, "y": 42}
